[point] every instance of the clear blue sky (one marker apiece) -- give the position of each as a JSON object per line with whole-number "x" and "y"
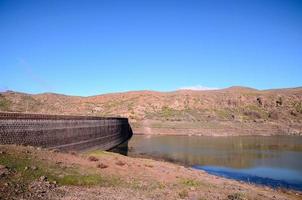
{"x": 92, "y": 47}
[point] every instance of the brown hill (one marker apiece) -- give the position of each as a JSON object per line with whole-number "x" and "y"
{"x": 230, "y": 111}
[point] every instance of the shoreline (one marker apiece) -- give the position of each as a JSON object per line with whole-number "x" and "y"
{"x": 145, "y": 156}
{"x": 228, "y": 171}
{"x": 102, "y": 175}
{"x": 215, "y": 135}
{"x": 217, "y": 127}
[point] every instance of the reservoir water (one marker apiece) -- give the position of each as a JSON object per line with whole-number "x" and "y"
{"x": 274, "y": 161}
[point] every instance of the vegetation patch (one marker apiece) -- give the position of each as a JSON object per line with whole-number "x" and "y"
{"x": 171, "y": 114}
{"x": 4, "y": 104}
{"x": 298, "y": 107}
{"x": 167, "y": 112}
{"x": 80, "y": 180}
{"x": 253, "y": 111}
{"x": 190, "y": 183}
{"x": 224, "y": 113}
{"x": 27, "y": 168}
{"x": 30, "y": 104}
{"x": 236, "y": 196}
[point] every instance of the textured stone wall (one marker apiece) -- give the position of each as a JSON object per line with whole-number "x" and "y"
{"x": 64, "y": 132}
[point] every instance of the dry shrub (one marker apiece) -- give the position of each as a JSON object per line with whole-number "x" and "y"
{"x": 183, "y": 194}
{"x": 236, "y": 196}
{"x": 120, "y": 163}
{"x": 102, "y": 166}
{"x": 149, "y": 165}
{"x": 93, "y": 158}
{"x": 73, "y": 153}
{"x": 252, "y": 114}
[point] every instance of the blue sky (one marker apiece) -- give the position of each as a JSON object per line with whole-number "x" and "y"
{"x": 93, "y": 47}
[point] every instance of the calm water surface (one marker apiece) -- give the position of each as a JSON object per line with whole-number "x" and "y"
{"x": 274, "y": 161}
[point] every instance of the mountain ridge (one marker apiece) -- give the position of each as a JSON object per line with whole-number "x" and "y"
{"x": 231, "y": 88}
{"x": 229, "y": 111}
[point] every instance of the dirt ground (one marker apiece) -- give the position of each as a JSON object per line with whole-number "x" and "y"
{"x": 34, "y": 173}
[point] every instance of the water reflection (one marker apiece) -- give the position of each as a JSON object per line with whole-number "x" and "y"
{"x": 235, "y": 153}
{"x": 274, "y": 177}
{"x": 121, "y": 149}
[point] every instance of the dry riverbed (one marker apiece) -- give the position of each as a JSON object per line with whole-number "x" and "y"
{"x": 34, "y": 173}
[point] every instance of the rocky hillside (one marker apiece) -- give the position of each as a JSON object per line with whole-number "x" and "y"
{"x": 231, "y": 111}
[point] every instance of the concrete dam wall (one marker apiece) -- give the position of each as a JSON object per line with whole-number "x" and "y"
{"x": 63, "y": 132}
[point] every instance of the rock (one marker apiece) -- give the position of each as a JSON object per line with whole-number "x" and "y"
{"x": 25, "y": 168}
{"x": 4, "y": 171}
{"x": 38, "y": 189}
{"x": 34, "y": 167}
{"x": 2, "y": 152}
{"x": 293, "y": 113}
{"x": 43, "y": 178}
{"x": 279, "y": 102}
{"x": 260, "y": 101}
{"x": 233, "y": 116}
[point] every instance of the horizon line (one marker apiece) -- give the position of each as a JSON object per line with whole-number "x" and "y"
{"x": 151, "y": 90}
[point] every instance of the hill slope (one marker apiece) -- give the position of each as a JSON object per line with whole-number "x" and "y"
{"x": 231, "y": 111}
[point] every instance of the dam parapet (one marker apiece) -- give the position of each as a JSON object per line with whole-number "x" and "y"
{"x": 63, "y": 131}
